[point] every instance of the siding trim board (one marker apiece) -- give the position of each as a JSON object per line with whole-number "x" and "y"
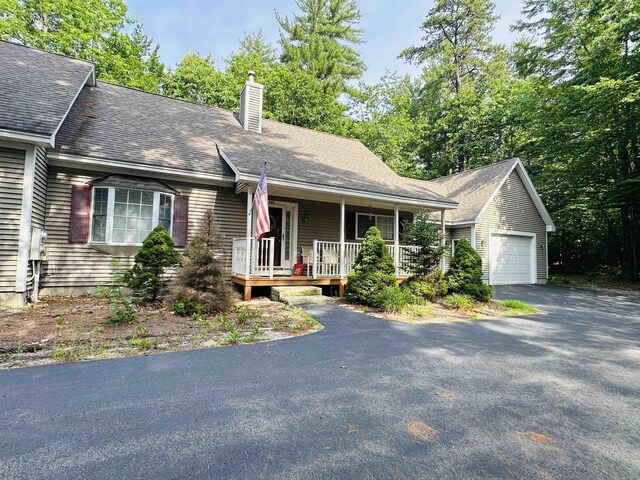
{"x": 28, "y": 183}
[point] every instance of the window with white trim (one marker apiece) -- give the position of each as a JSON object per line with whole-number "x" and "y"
{"x": 125, "y": 216}
{"x": 384, "y": 223}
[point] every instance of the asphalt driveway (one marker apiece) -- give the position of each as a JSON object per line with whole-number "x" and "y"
{"x": 336, "y": 404}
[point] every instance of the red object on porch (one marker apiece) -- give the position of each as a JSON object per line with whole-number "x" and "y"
{"x": 298, "y": 269}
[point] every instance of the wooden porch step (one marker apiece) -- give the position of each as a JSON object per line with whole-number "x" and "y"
{"x": 298, "y": 291}
{"x": 306, "y": 300}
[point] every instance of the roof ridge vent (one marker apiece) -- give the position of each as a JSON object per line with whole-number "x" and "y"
{"x": 250, "y": 114}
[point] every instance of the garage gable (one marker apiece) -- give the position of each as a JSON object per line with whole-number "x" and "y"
{"x": 512, "y": 209}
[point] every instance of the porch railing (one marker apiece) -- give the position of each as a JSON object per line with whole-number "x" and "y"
{"x": 260, "y": 257}
{"x": 325, "y": 260}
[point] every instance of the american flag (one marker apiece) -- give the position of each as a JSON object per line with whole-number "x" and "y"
{"x": 261, "y": 204}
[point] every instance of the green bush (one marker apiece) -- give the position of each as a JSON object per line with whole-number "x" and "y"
{"x": 156, "y": 253}
{"x": 201, "y": 280}
{"x": 459, "y": 301}
{"x": 393, "y": 299}
{"x": 372, "y": 272}
{"x": 465, "y": 273}
{"x": 186, "y": 308}
{"x": 426, "y": 288}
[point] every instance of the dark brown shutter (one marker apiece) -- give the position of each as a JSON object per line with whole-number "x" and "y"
{"x": 80, "y": 211}
{"x": 350, "y": 220}
{"x": 180, "y": 220}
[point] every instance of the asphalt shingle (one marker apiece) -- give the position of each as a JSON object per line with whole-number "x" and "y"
{"x": 37, "y": 88}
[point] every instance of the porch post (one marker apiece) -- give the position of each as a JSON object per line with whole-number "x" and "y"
{"x": 247, "y": 260}
{"x": 396, "y": 239}
{"x": 443, "y": 240}
{"x": 342, "y": 220}
{"x": 315, "y": 259}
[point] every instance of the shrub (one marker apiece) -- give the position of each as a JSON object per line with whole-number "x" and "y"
{"x": 200, "y": 282}
{"x": 393, "y": 299}
{"x": 424, "y": 234}
{"x": 372, "y": 272}
{"x": 187, "y": 308}
{"x": 426, "y": 288}
{"x": 465, "y": 273}
{"x": 459, "y": 301}
{"x": 156, "y": 253}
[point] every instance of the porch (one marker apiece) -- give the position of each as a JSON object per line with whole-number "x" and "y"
{"x": 325, "y": 263}
{"x": 322, "y": 232}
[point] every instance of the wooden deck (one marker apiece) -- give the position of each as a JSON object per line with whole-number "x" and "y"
{"x": 280, "y": 281}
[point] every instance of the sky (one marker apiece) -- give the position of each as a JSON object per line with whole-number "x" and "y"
{"x": 216, "y": 26}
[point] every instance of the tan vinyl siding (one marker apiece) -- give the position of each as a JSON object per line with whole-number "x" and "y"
{"x": 512, "y": 209}
{"x": 78, "y": 265}
{"x": 323, "y": 222}
{"x": 11, "y": 182}
{"x": 451, "y": 235}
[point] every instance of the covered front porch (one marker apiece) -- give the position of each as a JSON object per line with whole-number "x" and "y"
{"x": 315, "y": 239}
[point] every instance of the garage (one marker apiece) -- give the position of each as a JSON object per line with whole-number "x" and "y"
{"x": 512, "y": 258}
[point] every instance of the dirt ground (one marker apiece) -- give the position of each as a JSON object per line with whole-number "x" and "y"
{"x": 60, "y": 329}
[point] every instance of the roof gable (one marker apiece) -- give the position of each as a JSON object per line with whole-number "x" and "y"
{"x": 475, "y": 189}
{"x": 37, "y": 89}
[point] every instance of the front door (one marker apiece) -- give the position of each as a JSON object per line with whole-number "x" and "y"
{"x": 275, "y": 218}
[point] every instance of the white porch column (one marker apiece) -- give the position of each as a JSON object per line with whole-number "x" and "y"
{"x": 247, "y": 260}
{"x": 396, "y": 239}
{"x": 443, "y": 240}
{"x": 342, "y": 220}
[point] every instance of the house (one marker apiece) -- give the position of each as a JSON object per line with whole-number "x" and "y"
{"x": 88, "y": 168}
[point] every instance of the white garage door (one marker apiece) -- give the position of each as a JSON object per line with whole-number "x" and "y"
{"x": 511, "y": 259}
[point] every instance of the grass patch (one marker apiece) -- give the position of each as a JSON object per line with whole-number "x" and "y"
{"x": 518, "y": 307}
{"x": 418, "y": 311}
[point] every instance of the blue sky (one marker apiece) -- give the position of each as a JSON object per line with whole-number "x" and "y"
{"x": 215, "y": 26}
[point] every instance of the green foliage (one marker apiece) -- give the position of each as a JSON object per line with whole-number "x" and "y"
{"x": 195, "y": 79}
{"x": 318, "y": 40}
{"x": 425, "y": 234}
{"x": 187, "y": 308}
{"x": 372, "y": 272}
{"x": 427, "y": 288}
{"x": 155, "y": 255}
{"x": 201, "y": 279}
{"x": 96, "y": 30}
{"x": 460, "y": 301}
{"x": 519, "y": 306}
{"x": 465, "y": 273}
{"x": 122, "y": 306}
{"x": 393, "y": 299}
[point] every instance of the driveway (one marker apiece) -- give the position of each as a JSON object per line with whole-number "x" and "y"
{"x": 337, "y": 404}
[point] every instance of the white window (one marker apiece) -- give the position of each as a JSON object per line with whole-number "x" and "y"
{"x": 384, "y": 223}
{"x": 125, "y": 216}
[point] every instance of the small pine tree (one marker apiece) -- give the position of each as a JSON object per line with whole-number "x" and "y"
{"x": 424, "y": 234}
{"x": 372, "y": 272}
{"x": 157, "y": 253}
{"x": 465, "y": 273}
{"x": 201, "y": 286}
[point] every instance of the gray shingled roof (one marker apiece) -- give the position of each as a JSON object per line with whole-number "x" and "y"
{"x": 37, "y": 88}
{"x": 123, "y": 124}
{"x": 472, "y": 189}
